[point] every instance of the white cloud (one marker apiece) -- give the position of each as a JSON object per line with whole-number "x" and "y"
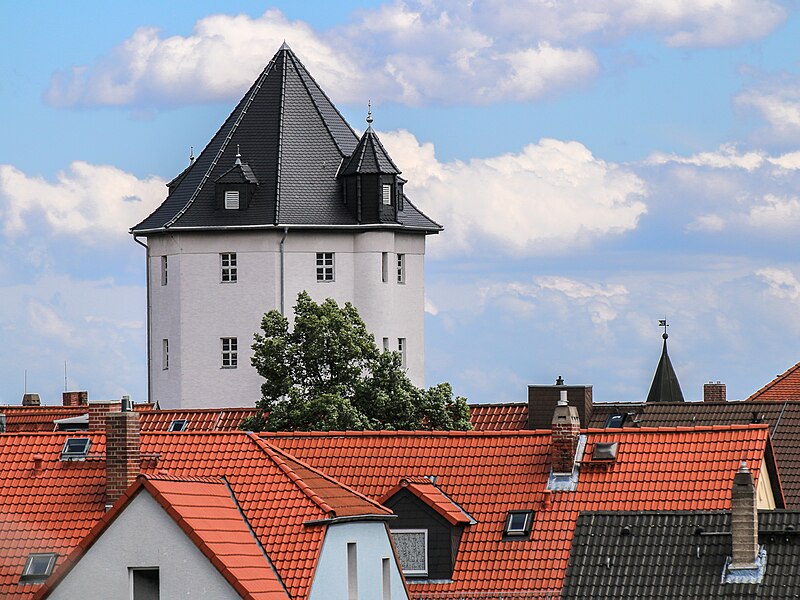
{"x": 97, "y": 199}
{"x": 45, "y": 321}
{"x": 778, "y": 105}
{"x": 776, "y": 212}
{"x": 782, "y": 283}
{"x": 548, "y": 198}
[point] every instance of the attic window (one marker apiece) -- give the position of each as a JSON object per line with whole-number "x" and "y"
{"x": 231, "y": 200}
{"x": 615, "y": 420}
{"x": 75, "y": 449}
{"x": 178, "y": 425}
{"x": 412, "y": 550}
{"x": 518, "y": 523}
{"x": 605, "y": 451}
{"x": 38, "y": 567}
{"x": 387, "y": 193}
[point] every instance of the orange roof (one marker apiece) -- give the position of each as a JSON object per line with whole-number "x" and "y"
{"x": 424, "y": 489}
{"x": 38, "y": 418}
{"x": 53, "y": 509}
{"x": 207, "y": 512}
{"x": 199, "y": 419}
{"x": 491, "y": 473}
{"x": 783, "y": 387}
{"x": 499, "y": 417}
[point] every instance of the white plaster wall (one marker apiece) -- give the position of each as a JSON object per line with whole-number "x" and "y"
{"x": 143, "y": 535}
{"x": 372, "y": 543}
{"x": 195, "y": 310}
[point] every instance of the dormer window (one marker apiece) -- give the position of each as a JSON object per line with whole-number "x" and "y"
{"x": 38, "y": 567}
{"x": 518, "y": 523}
{"x": 387, "y": 194}
{"x": 412, "y": 550}
{"x": 232, "y": 200}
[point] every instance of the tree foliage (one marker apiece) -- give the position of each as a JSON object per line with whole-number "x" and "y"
{"x": 326, "y": 373}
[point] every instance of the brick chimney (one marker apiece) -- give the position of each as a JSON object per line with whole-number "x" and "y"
{"x": 744, "y": 520}
{"x": 75, "y": 398}
{"x": 714, "y": 392}
{"x": 123, "y": 453}
{"x": 542, "y": 400}
{"x": 31, "y": 400}
{"x": 98, "y": 410}
{"x": 566, "y": 427}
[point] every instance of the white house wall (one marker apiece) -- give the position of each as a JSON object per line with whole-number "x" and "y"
{"x": 195, "y": 309}
{"x": 372, "y": 546}
{"x": 143, "y": 535}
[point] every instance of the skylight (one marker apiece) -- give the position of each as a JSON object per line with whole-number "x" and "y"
{"x": 75, "y": 449}
{"x": 178, "y": 425}
{"x": 38, "y": 567}
{"x": 615, "y": 420}
{"x": 518, "y": 523}
{"x": 605, "y": 451}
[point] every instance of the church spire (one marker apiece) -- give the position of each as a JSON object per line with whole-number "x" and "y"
{"x": 665, "y": 386}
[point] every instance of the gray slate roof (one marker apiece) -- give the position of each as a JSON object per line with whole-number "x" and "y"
{"x": 294, "y": 141}
{"x": 676, "y": 555}
{"x": 369, "y": 157}
{"x": 665, "y": 386}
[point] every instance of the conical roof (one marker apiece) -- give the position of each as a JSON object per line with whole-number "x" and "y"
{"x": 369, "y": 157}
{"x": 295, "y": 141}
{"x": 665, "y": 386}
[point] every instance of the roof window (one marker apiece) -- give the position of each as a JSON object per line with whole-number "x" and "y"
{"x": 38, "y": 567}
{"x": 75, "y": 449}
{"x": 518, "y": 523}
{"x": 615, "y": 420}
{"x": 605, "y": 451}
{"x": 178, "y": 425}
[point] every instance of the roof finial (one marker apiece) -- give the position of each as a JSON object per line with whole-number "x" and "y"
{"x": 284, "y": 46}
{"x": 369, "y": 113}
{"x": 238, "y": 155}
{"x": 663, "y": 323}
{"x": 191, "y": 154}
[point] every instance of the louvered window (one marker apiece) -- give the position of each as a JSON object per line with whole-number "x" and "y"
{"x": 232, "y": 200}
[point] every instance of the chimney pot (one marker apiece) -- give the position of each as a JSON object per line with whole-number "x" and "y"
{"x": 31, "y": 400}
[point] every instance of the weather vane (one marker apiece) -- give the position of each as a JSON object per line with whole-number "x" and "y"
{"x": 663, "y": 323}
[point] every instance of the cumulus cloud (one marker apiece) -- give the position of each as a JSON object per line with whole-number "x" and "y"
{"x": 98, "y": 199}
{"x": 776, "y": 100}
{"x": 550, "y": 197}
{"x": 781, "y": 283}
{"x": 415, "y": 51}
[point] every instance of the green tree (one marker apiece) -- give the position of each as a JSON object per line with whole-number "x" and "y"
{"x": 326, "y": 373}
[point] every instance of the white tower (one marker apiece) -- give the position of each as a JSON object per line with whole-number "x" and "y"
{"x": 284, "y": 198}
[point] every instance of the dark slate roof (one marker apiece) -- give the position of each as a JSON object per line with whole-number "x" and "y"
{"x": 238, "y": 173}
{"x": 294, "y": 140}
{"x": 676, "y": 555}
{"x": 369, "y": 157}
{"x": 665, "y": 386}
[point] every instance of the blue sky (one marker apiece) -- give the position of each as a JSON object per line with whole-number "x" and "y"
{"x": 596, "y": 168}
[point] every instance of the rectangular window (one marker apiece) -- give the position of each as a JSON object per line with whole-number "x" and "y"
{"x": 163, "y": 270}
{"x": 384, "y": 267}
{"x": 385, "y": 344}
{"x": 38, "y": 567}
{"x": 227, "y": 261}
{"x": 387, "y": 194}
{"x": 401, "y": 348}
{"x": 325, "y": 266}
{"x": 386, "y": 577}
{"x": 412, "y": 550}
{"x": 231, "y": 200}
{"x": 145, "y": 584}
{"x": 401, "y": 268}
{"x": 165, "y": 354}
{"x": 230, "y": 353}
{"x": 178, "y": 425}
{"x": 352, "y": 571}
{"x": 518, "y": 523}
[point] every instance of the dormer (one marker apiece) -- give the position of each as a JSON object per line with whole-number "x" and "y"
{"x": 235, "y": 187}
{"x": 371, "y": 184}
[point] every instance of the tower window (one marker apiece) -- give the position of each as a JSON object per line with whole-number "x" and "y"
{"x": 325, "y": 264}
{"x": 232, "y": 200}
{"x": 401, "y": 268}
{"x": 165, "y": 354}
{"x": 230, "y": 353}
{"x": 387, "y": 194}
{"x": 384, "y": 267}
{"x": 228, "y": 267}
{"x": 163, "y": 270}
{"x": 401, "y": 348}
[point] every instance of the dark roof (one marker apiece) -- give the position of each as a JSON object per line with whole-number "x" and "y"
{"x": 665, "y": 386}
{"x": 369, "y": 157}
{"x": 294, "y": 141}
{"x": 665, "y": 555}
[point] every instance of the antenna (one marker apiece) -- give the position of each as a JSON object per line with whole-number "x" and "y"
{"x": 65, "y": 375}
{"x": 25, "y": 386}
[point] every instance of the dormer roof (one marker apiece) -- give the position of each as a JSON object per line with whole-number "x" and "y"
{"x": 295, "y": 141}
{"x": 369, "y": 157}
{"x": 238, "y": 173}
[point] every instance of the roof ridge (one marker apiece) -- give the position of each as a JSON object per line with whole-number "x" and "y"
{"x": 775, "y": 381}
{"x": 224, "y": 145}
{"x": 269, "y": 450}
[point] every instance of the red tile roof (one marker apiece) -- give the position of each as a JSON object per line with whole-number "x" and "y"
{"x": 499, "y": 417}
{"x": 53, "y": 509}
{"x": 207, "y": 512}
{"x": 784, "y": 387}
{"x": 37, "y": 418}
{"x": 199, "y": 419}
{"x": 491, "y": 473}
{"x": 424, "y": 489}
